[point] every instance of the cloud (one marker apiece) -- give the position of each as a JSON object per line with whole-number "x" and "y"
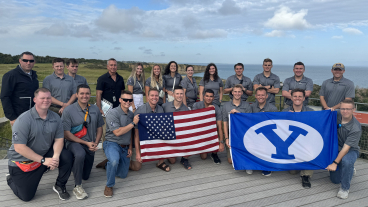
{"x": 148, "y": 51}
{"x": 337, "y": 37}
{"x": 198, "y": 54}
{"x": 207, "y": 34}
{"x": 117, "y": 20}
{"x": 275, "y": 33}
{"x": 3, "y": 31}
{"x": 190, "y": 22}
{"x": 57, "y": 29}
{"x": 162, "y": 54}
{"x": 141, "y": 48}
{"x": 352, "y": 31}
{"x": 284, "y": 18}
{"x": 229, "y": 7}
{"x": 118, "y": 48}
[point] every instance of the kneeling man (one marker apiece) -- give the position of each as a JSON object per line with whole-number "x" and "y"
{"x": 348, "y": 132}
{"x": 118, "y": 145}
{"x": 298, "y": 96}
{"x": 38, "y": 141}
{"x": 82, "y": 125}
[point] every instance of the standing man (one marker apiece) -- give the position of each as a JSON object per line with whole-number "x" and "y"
{"x": 150, "y": 107}
{"x": 118, "y": 144}
{"x": 62, "y": 87}
{"x": 38, "y": 142}
{"x": 268, "y": 80}
{"x": 236, "y": 105}
{"x": 239, "y": 78}
{"x": 336, "y": 89}
{"x": 298, "y": 97}
{"x": 109, "y": 87}
{"x": 175, "y": 106}
{"x": 72, "y": 66}
{"x": 348, "y": 132}
{"x": 261, "y": 105}
{"x": 208, "y": 102}
{"x": 297, "y": 81}
{"x": 82, "y": 125}
{"x": 18, "y": 87}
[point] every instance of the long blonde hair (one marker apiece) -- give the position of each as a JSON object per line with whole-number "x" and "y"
{"x": 134, "y": 74}
{"x": 153, "y": 79}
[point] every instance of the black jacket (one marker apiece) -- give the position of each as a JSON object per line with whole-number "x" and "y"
{"x": 17, "y": 92}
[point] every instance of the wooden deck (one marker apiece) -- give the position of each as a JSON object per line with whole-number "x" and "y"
{"x": 206, "y": 184}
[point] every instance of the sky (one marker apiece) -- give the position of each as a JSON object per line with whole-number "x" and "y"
{"x": 316, "y": 32}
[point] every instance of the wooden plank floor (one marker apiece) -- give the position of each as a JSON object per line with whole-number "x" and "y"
{"x": 207, "y": 184}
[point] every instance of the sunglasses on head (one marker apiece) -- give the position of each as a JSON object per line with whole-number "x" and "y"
{"x": 127, "y": 99}
{"x": 25, "y": 60}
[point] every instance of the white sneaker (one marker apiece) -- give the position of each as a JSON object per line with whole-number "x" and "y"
{"x": 354, "y": 172}
{"x": 79, "y": 192}
{"x": 343, "y": 194}
{"x": 249, "y": 172}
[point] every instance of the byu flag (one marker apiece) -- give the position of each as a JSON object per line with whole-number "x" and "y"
{"x": 284, "y": 140}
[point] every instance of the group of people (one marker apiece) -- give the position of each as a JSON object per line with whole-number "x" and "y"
{"x": 43, "y": 141}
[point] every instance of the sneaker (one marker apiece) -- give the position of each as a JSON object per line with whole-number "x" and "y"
{"x": 108, "y": 192}
{"x": 61, "y": 191}
{"x": 266, "y": 173}
{"x": 305, "y": 181}
{"x": 79, "y": 192}
{"x": 354, "y": 173}
{"x": 249, "y": 172}
{"x": 7, "y": 175}
{"x": 215, "y": 158}
{"x": 343, "y": 194}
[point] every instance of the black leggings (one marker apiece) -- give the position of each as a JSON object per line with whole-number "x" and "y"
{"x": 24, "y": 184}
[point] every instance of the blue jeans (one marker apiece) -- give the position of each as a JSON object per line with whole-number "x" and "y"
{"x": 345, "y": 170}
{"x": 118, "y": 164}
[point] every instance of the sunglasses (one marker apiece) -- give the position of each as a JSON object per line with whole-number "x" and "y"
{"x": 127, "y": 99}
{"x": 337, "y": 69}
{"x": 25, "y": 60}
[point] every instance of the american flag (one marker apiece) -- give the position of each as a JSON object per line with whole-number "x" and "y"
{"x": 165, "y": 135}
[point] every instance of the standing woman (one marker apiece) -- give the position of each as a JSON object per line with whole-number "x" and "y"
{"x": 211, "y": 81}
{"x": 136, "y": 85}
{"x": 172, "y": 78}
{"x": 156, "y": 81}
{"x": 190, "y": 87}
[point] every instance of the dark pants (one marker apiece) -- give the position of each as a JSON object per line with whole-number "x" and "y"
{"x": 83, "y": 161}
{"x": 24, "y": 184}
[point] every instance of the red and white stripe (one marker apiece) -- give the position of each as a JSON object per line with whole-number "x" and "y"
{"x": 196, "y": 132}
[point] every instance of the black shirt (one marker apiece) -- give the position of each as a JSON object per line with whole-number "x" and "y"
{"x": 110, "y": 88}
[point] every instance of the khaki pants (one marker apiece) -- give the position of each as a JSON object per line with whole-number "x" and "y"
{"x": 103, "y": 130}
{"x": 55, "y": 109}
{"x": 302, "y": 172}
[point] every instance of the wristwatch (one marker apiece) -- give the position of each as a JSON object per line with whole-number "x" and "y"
{"x": 335, "y": 162}
{"x": 42, "y": 160}
{"x": 133, "y": 123}
{"x": 222, "y": 142}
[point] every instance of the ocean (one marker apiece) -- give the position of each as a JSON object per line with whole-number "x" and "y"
{"x": 317, "y": 73}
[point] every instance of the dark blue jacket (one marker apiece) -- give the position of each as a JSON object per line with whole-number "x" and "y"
{"x": 17, "y": 92}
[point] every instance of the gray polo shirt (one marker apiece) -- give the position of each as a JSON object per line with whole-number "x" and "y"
{"x": 290, "y": 84}
{"x": 114, "y": 120}
{"x": 215, "y": 86}
{"x": 146, "y": 108}
{"x": 148, "y": 83}
{"x": 61, "y": 88}
{"x": 169, "y": 107}
{"x": 348, "y": 133}
{"x": 266, "y": 108}
{"x": 169, "y": 81}
{"x": 73, "y": 116}
{"x": 79, "y": 80}
{"x": 191, "y": 90}
{"x": 304, "y": 108}
{"x": 246, "y": 83}
{"x": 336, "y": 91}
{"x": 272, "y": 80}
{"x": 137, "y": 87}
{"x": 218, "y": 112}
{"x": 36, "y": 133}
{"x": 243, "y": 107}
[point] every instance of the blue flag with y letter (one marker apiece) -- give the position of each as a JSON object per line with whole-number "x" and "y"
{"x": 278, "y": 141}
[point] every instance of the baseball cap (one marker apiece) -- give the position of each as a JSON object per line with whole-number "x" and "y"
{"x": 338, "y": 65}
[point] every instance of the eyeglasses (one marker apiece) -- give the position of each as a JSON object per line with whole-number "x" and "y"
{"x": 25, "y": 60}
{"x": 346, "y": 109}
{"x": 127, "y": 99}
